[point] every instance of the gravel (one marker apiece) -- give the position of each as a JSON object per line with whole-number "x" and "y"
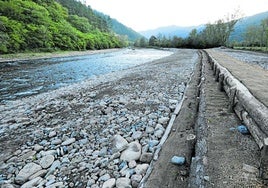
{"x": 80, "y": 135}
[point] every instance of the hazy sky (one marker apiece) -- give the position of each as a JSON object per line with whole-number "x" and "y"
{"x": 150, "y": 14}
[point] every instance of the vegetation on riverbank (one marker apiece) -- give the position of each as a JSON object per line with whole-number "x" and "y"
{"x": 255, "y": 37}
{"x": 252, "y": 48}
{"x": 213, "y": 35}
{"x": 35, "y": 25}
{"x": 245, "y": 33}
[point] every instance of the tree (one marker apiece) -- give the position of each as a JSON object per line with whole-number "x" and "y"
{"x": 153, "y": 41}
{"x": 45, "y": 25}
{"x": 80, "y": 23}
{"x": 264, "y": 33}
{"x": 253, "y": 36}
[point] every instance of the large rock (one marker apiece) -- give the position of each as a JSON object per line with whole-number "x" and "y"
{"x": 123, "y": 183}
{"x": 133, "y": 152}
{"x": 28, "y": 170}
{"x": 119, "y": 143}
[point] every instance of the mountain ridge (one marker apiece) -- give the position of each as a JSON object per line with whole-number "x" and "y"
{"x": 170, "y": 31}
{"x": 183, "y": 32}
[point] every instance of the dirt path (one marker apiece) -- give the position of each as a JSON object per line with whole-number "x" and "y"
{"x": 223, "y": 156}
{"x": 232, "y": 158}
{"x": 252, "y": 76}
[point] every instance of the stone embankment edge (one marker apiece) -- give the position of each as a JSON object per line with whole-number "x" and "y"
{"x": 166, "y": 134}
{"x": 252, "y": 112}
{"x": 197, "y": 170}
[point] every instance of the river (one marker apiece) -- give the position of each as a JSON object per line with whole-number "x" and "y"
{"x": 29, "y": 77}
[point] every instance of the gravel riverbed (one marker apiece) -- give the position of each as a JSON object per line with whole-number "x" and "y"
{"x": 102, "y": 132}
{"x": 253, "y": 58}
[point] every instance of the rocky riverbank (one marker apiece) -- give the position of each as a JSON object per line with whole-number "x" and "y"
{"x": 99, "y": 133}
{"x": 45, "y": 55}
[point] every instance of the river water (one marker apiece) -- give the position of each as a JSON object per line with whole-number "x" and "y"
{"x": 25, "y": 78}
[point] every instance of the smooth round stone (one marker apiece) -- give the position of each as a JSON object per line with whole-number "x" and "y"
{"x": 46, "y": 161}
{"x": 68, "y": 142}
{"x": 109, "y": 183}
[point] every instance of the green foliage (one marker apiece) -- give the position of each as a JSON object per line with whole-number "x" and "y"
{"x": 213, "y": 35}
{"x": 142, "y": 42}
{"x": 45, "y": 25}
{"x": 256, "y": 35}
{"x": 80, "y": 23}
{"x": 77, "y": 8}
{"x": 119, "y": 28}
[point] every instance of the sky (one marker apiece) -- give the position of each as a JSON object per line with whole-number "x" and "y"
{"x": 142, "y": 15}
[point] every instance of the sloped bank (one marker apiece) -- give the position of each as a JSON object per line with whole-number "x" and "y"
{"x": 251, "y": 111}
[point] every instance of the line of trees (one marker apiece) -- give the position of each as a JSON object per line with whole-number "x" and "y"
{"x": 46, "y": 25}
{"x": 256, "y": 35}
{"x": 212, "y": 35}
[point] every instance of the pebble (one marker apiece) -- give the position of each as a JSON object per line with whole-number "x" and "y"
{"x": 119, "y": 143}
{"x": 178, "y": 160}
{"x": 141, "y": 169}
{"x": 109, "y": 183}
{"x": 46, "y": 161}
{"x": 146, "y": 157}
{"x": 135, "y": 180}
{"x": 123, "y": 182}
{"x": 68, "y": 142}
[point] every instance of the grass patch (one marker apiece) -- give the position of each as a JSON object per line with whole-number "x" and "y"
{"x": 252, "y": 48}
{"x": 27, "y": 55}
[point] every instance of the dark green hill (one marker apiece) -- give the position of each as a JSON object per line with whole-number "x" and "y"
{"x": 242, "y": 25}
{"x": 48, "y": 25}
{"x": 99, "y": 20}
{"x": 120, "y": 28}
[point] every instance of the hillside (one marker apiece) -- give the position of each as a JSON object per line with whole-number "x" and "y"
{"x": 236, "y": 35}
{"x": 34, "y": 25}
{"x": 244, "y": 23}
{"x": 120, "y": 28}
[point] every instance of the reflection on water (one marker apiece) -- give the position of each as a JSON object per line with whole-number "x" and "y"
{"x": 24, "y": 78}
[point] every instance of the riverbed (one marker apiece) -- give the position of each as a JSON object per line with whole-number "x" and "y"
{"x": 82, "y": 130}
{"x": 23, "y": 78}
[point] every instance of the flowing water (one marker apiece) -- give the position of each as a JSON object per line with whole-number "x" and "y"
{"x": 24, "y": 78}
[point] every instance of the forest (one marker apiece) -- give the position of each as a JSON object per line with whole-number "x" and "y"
{"x": 51, "y": 25}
